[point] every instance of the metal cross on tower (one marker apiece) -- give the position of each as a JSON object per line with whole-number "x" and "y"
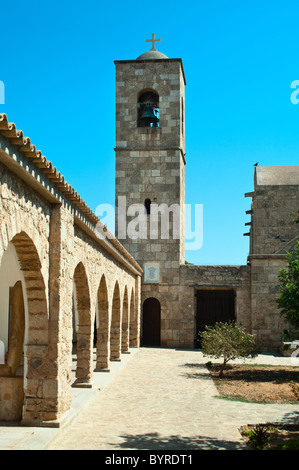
{"x": 153, "y": 40}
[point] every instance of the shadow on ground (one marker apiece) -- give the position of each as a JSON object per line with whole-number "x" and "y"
{"x": 154, "y": 441}
{"x": 197, "y": 371}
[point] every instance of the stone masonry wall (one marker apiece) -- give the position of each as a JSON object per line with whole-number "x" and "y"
{"x": 52, "y": 248}
{"x": 274, "y": 209}
{"x": 273, "y": 233}
{"x": 267, "y": 323}
{"x": 219, "y": 277}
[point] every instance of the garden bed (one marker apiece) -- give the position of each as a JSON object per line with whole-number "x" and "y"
{"x": 271, "y": 436}
{"x": 256, "y": 383}
{"x": 261, "y": 384}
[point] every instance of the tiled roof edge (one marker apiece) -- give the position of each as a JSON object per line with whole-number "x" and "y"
{"x": 24, "y": 145}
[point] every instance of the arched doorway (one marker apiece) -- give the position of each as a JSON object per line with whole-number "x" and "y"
{"x": 151, "y": 322}
{"x": 23, "y": 306}
{"x": 12, "y": 312}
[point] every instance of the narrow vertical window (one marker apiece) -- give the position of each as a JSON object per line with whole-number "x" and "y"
{"x": 147, "y": 205}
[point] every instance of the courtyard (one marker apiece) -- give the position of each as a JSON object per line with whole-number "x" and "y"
{"x": 155, "y": 399}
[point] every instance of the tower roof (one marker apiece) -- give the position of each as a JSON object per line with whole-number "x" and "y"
{"x": 277, "y": 175}
{"x": 152, "y": 55}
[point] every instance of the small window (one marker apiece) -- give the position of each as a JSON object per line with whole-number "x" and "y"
{"x": 147, "y": 205}
{"x": 148, "y": 109}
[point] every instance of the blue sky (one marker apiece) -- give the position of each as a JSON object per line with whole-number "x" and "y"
{"x": 240, "y": 59}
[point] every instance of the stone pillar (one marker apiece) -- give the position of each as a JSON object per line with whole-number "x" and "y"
{"x": 115, "y": 331}
{"x": 103, "y": 333}
{"x": 57, "y": 386}
{"x": 135, "y": 324}
{"x": 125, "y": 325}
{"x": 103, "y": 362}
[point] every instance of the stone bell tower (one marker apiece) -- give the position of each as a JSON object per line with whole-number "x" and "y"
{"x": 150, "y": 184}
{"x": 150, "y": 162}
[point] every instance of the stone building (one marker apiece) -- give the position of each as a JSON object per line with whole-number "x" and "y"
{"x": 179, "y": 300}
{"x": 71, "y": 291}
{"x": 59, "y": 282}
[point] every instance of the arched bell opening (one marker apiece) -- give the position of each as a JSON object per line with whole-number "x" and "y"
{"x": 148, "y": 109}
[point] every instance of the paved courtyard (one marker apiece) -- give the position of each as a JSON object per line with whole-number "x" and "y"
{"x": 159, "y": 399}
{"x": 164, "y": 399}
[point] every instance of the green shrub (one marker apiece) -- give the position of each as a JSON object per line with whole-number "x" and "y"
{"x": 227, "y": 341}
{"x": 258, "y": 436}
{"x": 292, "y": 444}
{"x": 288, "y": 297}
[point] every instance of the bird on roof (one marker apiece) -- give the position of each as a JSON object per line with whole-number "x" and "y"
{"x": 256, "y": 164}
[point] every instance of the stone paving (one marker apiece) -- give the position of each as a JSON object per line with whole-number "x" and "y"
{"x": 160, "y": 399}
{"x": 165, "y": 400}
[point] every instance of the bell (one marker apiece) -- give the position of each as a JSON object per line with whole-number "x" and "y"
{"x": 149, "y": 116}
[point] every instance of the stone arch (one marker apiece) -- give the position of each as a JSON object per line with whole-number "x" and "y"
{"x": 125, "y": 323}
{"x": 115, "y": 330}
{"x": 102, "y": 314}
{"x": 30, "y": 265}
{"x": 83, "y": 327}
{"x": 29, "y": 328}
{"x": 12, "y": 312}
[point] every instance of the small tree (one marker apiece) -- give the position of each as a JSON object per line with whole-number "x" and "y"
{"x": 229, "y": 341}
{"x": 288, "y": 298}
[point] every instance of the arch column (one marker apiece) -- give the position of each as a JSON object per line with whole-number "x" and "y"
{"x": 132, "y": 333}
{"x": 115, "y": 330}
{"x": 102, "y": 352}
{"x": 125, "y": 324}
{"x": 135, "y": 314}
{"x": 85, "y": 330}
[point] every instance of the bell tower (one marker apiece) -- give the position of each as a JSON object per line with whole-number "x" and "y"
{"x": 150, "y": 163}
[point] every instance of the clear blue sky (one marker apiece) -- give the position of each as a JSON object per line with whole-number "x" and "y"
{"x": 240, "y": 59}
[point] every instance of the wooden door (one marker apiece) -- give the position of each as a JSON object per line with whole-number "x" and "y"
{"x": 214, "y": 306}
{"x": 151, "y": 322}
